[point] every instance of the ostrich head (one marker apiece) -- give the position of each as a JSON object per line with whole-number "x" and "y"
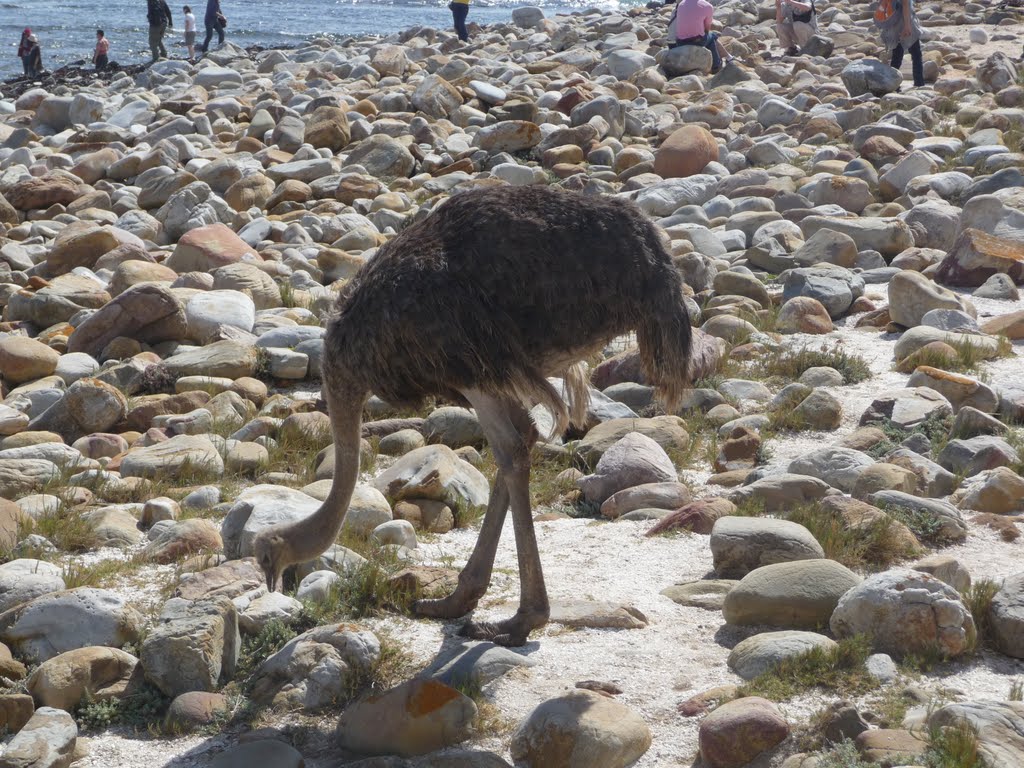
{"x": 269, "y": 548}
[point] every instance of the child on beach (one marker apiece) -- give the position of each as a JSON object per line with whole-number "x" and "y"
{"x": 190, "y": 33}
{"x": 99, "y": 56}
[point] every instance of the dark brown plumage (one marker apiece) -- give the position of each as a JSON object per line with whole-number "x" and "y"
{"x": 479, "y": 302}
{"x": 502, "y": 287}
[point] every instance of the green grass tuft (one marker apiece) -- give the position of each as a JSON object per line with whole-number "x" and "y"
{"x": 839, "y": 670}
{"x": 979, "y": 601}
{"x": 788, "y": 365}
{"x": 954, "y": 747}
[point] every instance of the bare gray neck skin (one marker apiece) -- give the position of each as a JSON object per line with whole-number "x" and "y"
{"x": 312, "y": 536}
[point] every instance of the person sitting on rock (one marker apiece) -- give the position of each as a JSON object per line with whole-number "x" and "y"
{"x": 691, "y": 25}
{"x": 900, "y": 31}
{"x": 796, "y": 22}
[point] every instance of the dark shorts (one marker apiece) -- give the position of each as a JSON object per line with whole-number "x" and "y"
{"x": 190, "y": 38}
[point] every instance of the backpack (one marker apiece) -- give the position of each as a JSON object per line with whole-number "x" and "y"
{"x": 886, "y": 10}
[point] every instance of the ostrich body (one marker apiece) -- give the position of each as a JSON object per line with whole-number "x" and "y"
{"x": 479, "y": 303}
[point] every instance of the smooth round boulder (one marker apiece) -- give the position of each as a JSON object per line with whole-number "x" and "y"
{"x": 740, "y": 730}
{"x": 23, "y": 359}
{"x": 798, "y": 595}
{"x": 741, "y": 544}
{"x": 685, "y": 152}
{"x": 762, "y": 653}
{"x": 582, "y": 729}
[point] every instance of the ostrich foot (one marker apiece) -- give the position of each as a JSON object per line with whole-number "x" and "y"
{"x": 510, "y": 632}
{"x": 451, "y": 607}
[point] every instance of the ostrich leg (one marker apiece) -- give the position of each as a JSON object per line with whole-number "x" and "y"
{"x": 511, "y": 434}
{"x": 476, "y": 575}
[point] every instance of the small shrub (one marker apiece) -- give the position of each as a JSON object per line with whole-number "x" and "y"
{"x": 258, "y": 648}
{"x": 789, "y": 365}
{"x": 144, "y": 709}
{"x": 365, "y": 590}
{"x": 923, "y": 523}
{"x": 843, "y": 755}
{"x": 837, "y": 669}
{"x": 979, "y": 600}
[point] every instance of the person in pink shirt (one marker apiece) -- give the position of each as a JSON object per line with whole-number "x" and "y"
{"x": 691, "y": 25}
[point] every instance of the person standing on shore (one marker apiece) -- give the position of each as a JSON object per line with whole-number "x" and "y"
{"x": 214, "y": 20}
{"x": 460, "y": 10}
{"x": 99, "y": 56}
{"x": 900, "y": 31}
{"x": 159, "y": 17}
{"x": 190, "y": 32}
{"x": 33, "y": 58}
{"x": 23, "y": 49}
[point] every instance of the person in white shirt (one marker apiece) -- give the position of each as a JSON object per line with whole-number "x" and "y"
{"x": 190, "y": 33}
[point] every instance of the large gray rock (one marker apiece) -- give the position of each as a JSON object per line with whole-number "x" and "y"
{"x": 798, "y": 595}
{"x": 912, "y": 295}
{"x": 835, "y": 287}
{"x": 193, "y": 647}
{"x": 783, "y": 491}
{"x": 47, "y": 741}
{"x": 839, "y": 467}
{"x": 581, "y": 729}
{"x": 259, "y": 507}
{"x": 906, "y": 612}
{"x": 870, "y": 76}
{"x": 434, "y": 472}
{"x": 950, "y": 523}
{"x": 171, "y": 458}
{"x": 1007, "y": 617}
{"x": 633, "y": 460}
{"x": 75, "y": 618}
{"x": 26, "y": 579}
{"x": 741, "y": 544}
{"x": 907, "y": 408}
{"x": 999, "y": 726}
{"x": 474, "y": 665}
{"x": 970, "y": 456}
{"x": 316, "y": 668}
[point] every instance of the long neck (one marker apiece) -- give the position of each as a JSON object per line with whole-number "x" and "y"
{"x": 313, "y": 535}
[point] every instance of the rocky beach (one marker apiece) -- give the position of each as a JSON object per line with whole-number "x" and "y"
{"x": 815, "y": 562}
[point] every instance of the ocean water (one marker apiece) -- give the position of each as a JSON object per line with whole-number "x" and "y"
{"x": 67, "y": 28}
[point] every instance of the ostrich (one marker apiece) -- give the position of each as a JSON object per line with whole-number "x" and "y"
{"x": 478, "y": 303}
